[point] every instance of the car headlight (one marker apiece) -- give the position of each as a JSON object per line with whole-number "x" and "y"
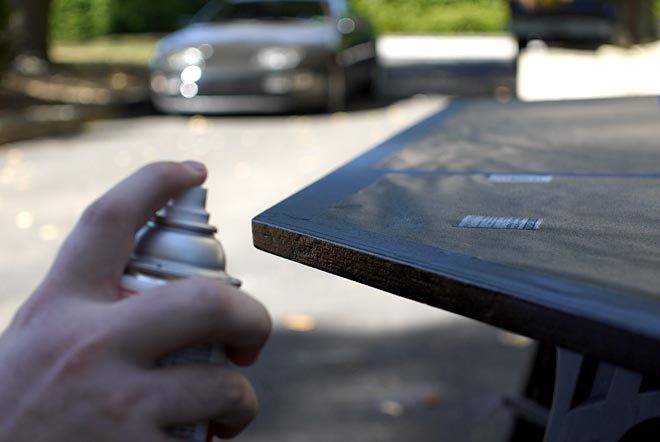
{"x": 181, "y": 59}
{"x": 191, "y": 74}
{"x": 279, "y": 58}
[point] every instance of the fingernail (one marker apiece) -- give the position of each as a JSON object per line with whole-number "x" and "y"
{"x": 196, "y": 167}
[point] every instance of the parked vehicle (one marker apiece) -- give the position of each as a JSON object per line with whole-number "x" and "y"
{"x": 576, "y": 22}
{"x": 264, "y": 56}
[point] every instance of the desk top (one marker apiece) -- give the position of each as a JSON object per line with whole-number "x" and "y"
{"x": 542, "y": 218}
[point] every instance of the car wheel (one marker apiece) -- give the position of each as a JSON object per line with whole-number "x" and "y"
{"x": 336, "y": 98}
{"x": 373, "y": 80}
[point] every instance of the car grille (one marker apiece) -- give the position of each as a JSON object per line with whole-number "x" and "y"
{"x": 232, "y": 56}
{"x": 231, "y": 85}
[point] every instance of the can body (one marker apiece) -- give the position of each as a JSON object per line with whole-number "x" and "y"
{"x": 178, "y": 243}
{"x": 132, "y": 285}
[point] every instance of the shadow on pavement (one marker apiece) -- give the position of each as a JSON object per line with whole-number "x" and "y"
{"x": 442, "y": 383}
{"x": 59, "y": 99}
{"x": 62, "y": 106}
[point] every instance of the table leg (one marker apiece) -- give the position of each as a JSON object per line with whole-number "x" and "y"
{"x": 592, "y": 401}
{"x": 532, "y": 409}
{"x": 598, "y": 402}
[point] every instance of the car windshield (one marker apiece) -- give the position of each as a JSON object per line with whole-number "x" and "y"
{"x": 222, "y": 11}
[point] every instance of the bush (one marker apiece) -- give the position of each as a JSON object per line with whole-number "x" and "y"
{"x": 80, "y": 19}
{"x": 150, "y": 16}
{"x": 84, "y": 19}
{"x": 432, "y": 16}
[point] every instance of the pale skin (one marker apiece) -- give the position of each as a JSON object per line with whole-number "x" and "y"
{"x": 78, "y": 363}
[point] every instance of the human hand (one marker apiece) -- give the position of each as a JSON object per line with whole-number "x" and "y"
{"x": 78, "y": 363}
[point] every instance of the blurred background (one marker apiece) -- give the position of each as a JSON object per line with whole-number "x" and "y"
{"x": 272, "y": 95}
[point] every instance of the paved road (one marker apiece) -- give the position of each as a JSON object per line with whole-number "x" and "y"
{"x": 346, "y": 363}
{"x": 491, "y": 65}
{"x": 468, "y": 65}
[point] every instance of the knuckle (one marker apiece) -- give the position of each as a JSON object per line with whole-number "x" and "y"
{"x": 102, "y": 211}
{"x": 249, "y": 318}
{"x": 208, "y": 298}
{"x": 211, "y": 393}
{"x": 65, "y": 343}
{"x": 196, "y": 400}
{"x": 32, "y": 311}
{"x": 237, "y": 392}
{"x": 81, "y": 354}
{"x": 119, "y": 405}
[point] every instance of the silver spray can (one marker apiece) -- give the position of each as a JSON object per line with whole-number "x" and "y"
{"x": 177, "y": 243}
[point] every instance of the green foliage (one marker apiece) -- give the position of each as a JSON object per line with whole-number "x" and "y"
{"x": 151, "y": 16}
{"x": 84, "y": 19}
{"x": 432, "y": 16}
{"x": 81, "y": 19}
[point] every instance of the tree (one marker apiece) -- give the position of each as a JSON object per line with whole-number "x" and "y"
{"x": 5, "y": 45}
{"x": 638, "y": 21}
{"x": 29, "y": 25}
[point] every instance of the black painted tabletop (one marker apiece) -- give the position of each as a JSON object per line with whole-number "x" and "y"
{"x": 542, "y": 218}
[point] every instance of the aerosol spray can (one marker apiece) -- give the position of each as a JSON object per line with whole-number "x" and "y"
{"x": 179, "y": 242}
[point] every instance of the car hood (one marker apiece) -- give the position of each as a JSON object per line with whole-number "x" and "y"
{"x": 295, "y": 33}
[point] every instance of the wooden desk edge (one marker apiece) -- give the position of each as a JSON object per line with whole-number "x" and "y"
{"x": 612, "y": 344}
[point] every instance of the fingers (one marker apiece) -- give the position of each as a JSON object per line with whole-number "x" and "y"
{"x": 192, "y": 394}
{"x": 97, "y": 250}
{"x": 191, "y": 312}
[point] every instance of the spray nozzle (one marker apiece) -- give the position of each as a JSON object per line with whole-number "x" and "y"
{"x": 188, "y": 210}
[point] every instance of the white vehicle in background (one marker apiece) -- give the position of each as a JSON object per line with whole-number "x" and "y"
{"x": 261, "y": 56}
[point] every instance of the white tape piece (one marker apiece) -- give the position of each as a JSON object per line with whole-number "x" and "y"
{"x": 502, "y": 178}
{"x": 498, "y": 222}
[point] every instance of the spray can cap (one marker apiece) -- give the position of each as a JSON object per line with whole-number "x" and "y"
{"x": 188, "y": 211}
{"x": 179, "y": 242}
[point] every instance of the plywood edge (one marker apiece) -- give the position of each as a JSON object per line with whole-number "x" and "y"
{"x": 605, "y": 342}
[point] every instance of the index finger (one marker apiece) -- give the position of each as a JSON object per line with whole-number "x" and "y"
{"x": 97, "y": 250}
{"x": 192, "y": 312}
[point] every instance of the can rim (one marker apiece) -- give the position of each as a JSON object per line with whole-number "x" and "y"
{"x": 186, "y": 225}
{"x": 171, "y": 270}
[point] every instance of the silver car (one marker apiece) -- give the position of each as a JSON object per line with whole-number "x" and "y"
{"x": 264, "y": 56}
